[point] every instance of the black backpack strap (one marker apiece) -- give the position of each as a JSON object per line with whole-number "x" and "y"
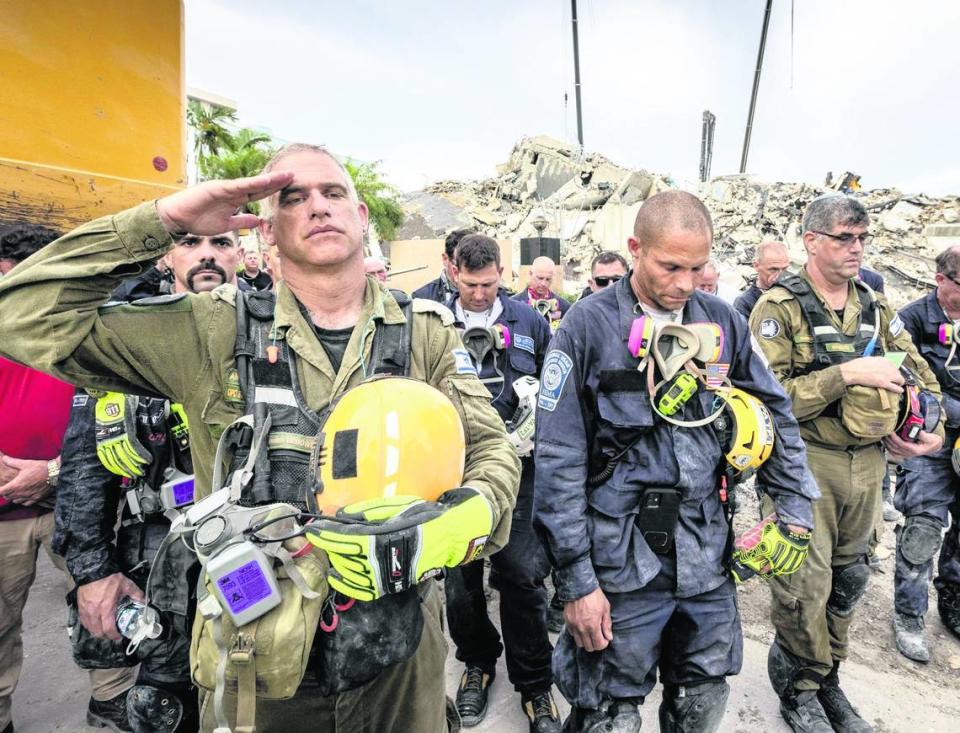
{"x": 390, "y": 353}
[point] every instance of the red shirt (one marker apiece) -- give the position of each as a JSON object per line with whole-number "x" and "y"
{"x": 34, "y": 411}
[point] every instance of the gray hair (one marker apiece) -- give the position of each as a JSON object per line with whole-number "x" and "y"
{"x": 766, "y": 245}
{"x": 948, "y": 262}
{"x": 268, "y": 205}
{"x": 825, "y": 213}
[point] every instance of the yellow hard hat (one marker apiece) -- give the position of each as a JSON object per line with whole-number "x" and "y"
{"x": 748, "y": 430}
{"x": 389, "y": 436}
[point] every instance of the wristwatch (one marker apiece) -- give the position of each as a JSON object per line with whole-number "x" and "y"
{"x": 53, "y": 472}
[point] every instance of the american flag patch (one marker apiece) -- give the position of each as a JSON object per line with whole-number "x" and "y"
{"x": 716, "y": 373}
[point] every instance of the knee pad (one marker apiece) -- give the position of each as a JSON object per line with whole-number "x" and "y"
{"x": 615, "y": 716}
{"x": 783, "y": 669}
{"x": 699, "y": 711}
{"x": 919, "y": 539}
{"x": 849, "y": 585}
{"x": 153, "y": 710}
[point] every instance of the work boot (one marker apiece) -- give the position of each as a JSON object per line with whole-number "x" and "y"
{"x": 910, "y": 639}
{"x": 948, "y": 604}
{"x": 110, "y": 714}
{"x": 618, "y": 716}
{"x": 804, "y": 713}
{"x": 472, "y": 695}
{"x": 555, "y": 615}
{"x": 843, "y": 716}
{"x": 542, "y": 713}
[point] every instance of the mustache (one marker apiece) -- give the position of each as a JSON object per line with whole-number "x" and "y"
{"x": 206, "y": 264}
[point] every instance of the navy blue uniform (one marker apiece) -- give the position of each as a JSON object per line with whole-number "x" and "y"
{"x": 746, "y": 300}
{"x": 439, "y": 290}
{"x": 677, "y": 610}
{"x": 519, "y": 569}
{"x": 927, "y": 486}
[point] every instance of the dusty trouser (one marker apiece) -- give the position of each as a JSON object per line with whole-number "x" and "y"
{"x": 926, "y": 487}
{"x": 20, "y": 541}
{"x": 812, "y": 609}
{"x": 409, "y": 696}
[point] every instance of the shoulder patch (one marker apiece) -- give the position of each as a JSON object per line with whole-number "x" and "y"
{"x": 896, "y": 326}
{"x": 423, "y": 305}
{"x": 463, "y": 362}
{"x": 524, "y": 342}
{"x": 556, "y": 369}
{"x": 79, "y": 400}
{"x": 770, "y": 328}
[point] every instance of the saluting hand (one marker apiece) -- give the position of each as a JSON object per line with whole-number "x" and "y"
{"x": 211, "y": 207}
{"x": 588, "y": 620}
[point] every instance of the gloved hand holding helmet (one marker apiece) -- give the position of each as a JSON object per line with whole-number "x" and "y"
{"x": 116, "y": 433}
{"x": 388, "y": 466}
{"x": 370, "y": 559}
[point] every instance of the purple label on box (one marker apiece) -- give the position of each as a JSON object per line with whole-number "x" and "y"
{"x": 183, "y": 492}
{"x": 244, "y": 586}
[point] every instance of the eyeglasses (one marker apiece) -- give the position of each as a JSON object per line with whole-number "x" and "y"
{"x": 604, "y": 280}
{"x": 846, "y": 239}
{"x": 952, "y": 279}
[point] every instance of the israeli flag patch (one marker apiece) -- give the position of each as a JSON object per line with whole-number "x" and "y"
{"x": 556, "y": 369}
{"x": 463, "y": 362}
{"x": 896, "y": 326}
{"x": 523, "y": 342}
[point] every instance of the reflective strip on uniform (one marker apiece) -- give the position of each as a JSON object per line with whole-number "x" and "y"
{"x": 275, "y": 396}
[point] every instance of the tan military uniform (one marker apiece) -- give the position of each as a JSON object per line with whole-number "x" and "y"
{"x": 811, "y": 610}
{"x": 181, "y": 347}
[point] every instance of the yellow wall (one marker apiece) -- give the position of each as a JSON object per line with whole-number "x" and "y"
{"x": 92, "y": 94}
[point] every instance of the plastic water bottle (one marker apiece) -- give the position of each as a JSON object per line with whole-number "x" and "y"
{"x": 137, "y": 621}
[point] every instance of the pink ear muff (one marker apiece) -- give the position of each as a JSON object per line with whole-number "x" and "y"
{"x": 946, "y": 334}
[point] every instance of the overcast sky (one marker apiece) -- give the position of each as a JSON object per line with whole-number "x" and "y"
{"x": 443, "y": 88}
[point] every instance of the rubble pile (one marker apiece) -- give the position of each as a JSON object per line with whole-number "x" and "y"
{"x": 551, "y": 188}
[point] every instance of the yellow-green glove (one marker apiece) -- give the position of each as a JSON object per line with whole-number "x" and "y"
{"x": 179, "y": 426}
{"x": 116, "y": 430}
{"x": 414, "y": 542}
{"x": 769, "y": 548}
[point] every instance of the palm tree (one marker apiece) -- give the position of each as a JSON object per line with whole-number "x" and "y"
{"x": 241, "y": 155}
{"x": 380, "y": 197}
{"x": 208, "y": 124}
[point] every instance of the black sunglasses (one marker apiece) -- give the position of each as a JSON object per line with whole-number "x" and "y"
{"x": 604, "y": 280}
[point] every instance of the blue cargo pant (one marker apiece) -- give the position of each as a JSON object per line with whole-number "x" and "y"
{"x": 690, "y": 640}
{"x": 927, "y": 487}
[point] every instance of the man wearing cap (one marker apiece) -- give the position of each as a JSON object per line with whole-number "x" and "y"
{"x": 630, "y": 492}
{"x": 826, "y": 336}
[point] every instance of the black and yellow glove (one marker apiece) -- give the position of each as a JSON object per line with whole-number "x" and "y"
{"x": 769, "y": 548}
{"x": 118, "y": 448}
{"x": 388, "y": 545}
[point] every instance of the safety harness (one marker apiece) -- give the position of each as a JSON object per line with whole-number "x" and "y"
{"x": 273, "y": 449}
{"x": 832, "y": 346}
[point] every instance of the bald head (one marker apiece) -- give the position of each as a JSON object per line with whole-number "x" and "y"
{"x": 771, "y": 261}
{"x": 671, "y": 211}
{"x": 541, "y": 276}
{"x": 376, "y": 267}
{"x": 710, "y": 278}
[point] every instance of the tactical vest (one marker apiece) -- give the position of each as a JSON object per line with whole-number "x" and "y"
{"x": 832, "y": 346}
{"x": 267, "y": 370}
